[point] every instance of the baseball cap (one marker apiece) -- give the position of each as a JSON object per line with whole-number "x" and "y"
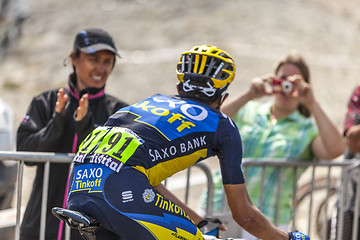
{"x": 93, "y": 40}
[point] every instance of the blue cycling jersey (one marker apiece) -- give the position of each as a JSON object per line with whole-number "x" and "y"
{"x": 118, "y": 165}
{"x": 176, "y": 133}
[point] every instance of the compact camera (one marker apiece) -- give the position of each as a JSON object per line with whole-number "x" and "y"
{"x": 283, "y": 86}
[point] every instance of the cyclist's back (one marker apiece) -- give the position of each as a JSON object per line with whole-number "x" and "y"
{"x": 177, "y": 132}
{"x": 155, "y": 138}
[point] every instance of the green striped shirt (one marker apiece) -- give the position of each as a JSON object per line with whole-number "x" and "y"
{"x": 289, "y": 139}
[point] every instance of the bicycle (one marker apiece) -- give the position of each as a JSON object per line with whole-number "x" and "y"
{"x": 326, "y": 190}
{"x": 87, "y": 225}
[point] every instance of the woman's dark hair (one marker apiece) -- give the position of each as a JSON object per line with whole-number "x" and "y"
{"x": 77, "y": 54}
{"x": 294, "y": 58}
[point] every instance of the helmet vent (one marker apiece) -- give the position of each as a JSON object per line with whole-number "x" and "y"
{"x": 224, "y": 55}
{"x": 207, "y": 61}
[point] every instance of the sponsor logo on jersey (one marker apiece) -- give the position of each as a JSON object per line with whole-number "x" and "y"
{"x": 174, "y": 118}
{"x": 148, "y": 195}
{"x": 103, "y": 159}
{"x": 177, "y": 235}
{"x": 89, "y": 177}
{"x": 170, "y": 206}
{"x": 163, "y": 153}
{"x": 127, "y": 196}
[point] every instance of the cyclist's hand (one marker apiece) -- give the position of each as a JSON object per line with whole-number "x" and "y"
{"x": 298, "y": 236}
{"x": 211, "y": 226}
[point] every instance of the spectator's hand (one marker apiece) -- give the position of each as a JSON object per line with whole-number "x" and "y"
{"x": 62, "y": 99}
{"x": 260, "y": 86}
{"x": 303, "y": 90}
{"x": 298, "y": 236}
{"x": 353, "y": 138}
{"x": 83, "y": 107}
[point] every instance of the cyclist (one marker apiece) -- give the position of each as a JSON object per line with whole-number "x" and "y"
{"x": 120, "y": 166}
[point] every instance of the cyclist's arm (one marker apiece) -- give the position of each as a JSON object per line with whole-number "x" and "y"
{"x": 166, "y": 193}
{"x": 248, "y": 216}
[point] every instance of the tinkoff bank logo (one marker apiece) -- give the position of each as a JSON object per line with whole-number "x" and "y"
{"x": 90, "y": 177}
{"x": 174, "y": 118}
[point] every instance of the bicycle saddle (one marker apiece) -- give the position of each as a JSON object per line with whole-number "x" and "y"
{"x": 78, "y": 220}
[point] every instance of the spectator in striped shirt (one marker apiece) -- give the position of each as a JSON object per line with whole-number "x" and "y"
{"x": 281, "y": 129}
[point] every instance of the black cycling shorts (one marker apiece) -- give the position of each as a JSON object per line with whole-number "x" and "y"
{"x": 126, "y": 204}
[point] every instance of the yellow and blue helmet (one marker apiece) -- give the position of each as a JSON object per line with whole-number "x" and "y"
{"x": 205, "y": 68}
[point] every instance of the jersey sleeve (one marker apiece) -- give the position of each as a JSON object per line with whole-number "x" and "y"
{"x": 230, "y": 152}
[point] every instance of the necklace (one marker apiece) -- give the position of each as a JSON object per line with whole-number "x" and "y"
{"x": 273, "y": 119}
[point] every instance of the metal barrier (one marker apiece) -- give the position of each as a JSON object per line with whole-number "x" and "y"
{"x": 350, "y": 181}
{"x": 34, "y": 157}
{"x": 307, "y": 190}
{"x": 48, "y": 158}
{"x": 315, "y": 213}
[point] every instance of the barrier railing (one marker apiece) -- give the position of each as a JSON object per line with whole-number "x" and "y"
{"x": 315, "y": 198}
{"x": 326, "y": 181}
{"x": 34, "y": 157}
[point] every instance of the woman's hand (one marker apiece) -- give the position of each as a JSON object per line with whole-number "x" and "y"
{"x": 83, "y": 107}
{"x": 261, "y": 86}
{"x": 303, "y": 90}
{"x": 62, "y": 99}
{"x": 353, "y": 138}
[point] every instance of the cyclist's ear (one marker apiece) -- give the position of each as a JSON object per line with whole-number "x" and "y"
{"x": 224, "y": 98}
